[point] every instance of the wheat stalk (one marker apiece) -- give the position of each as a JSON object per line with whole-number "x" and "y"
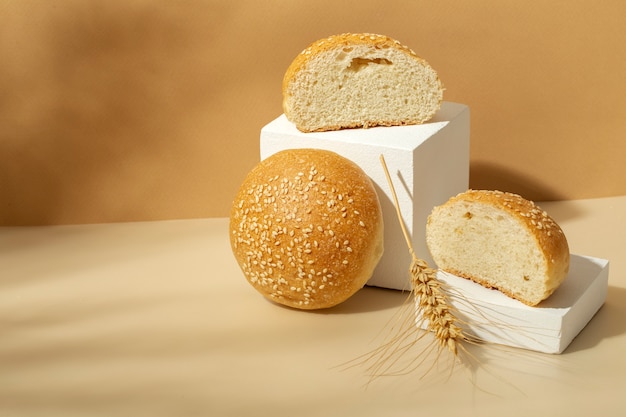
{"x": 432, "y": 301}
{"x": 429, "y": 307}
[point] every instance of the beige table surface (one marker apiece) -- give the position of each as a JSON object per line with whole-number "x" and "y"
{"x": 155, "y": 319}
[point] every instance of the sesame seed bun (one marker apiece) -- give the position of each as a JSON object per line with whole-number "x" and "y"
{"x": 306, "y": 228}
{"x": 499, "y": 240}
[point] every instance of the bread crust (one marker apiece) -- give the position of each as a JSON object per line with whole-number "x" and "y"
{"x": 339, "y": 41}
{"x": 548, "y": 235}
{"x": 306, "y": 228}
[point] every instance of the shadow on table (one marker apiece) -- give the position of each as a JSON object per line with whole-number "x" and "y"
{"x": 369, "y": 299}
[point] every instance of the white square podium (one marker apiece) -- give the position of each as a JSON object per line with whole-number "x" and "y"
{"x": 548, "y": 327}
{"x": 429, "y": 163}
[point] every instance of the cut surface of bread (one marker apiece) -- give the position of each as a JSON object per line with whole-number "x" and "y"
{"x": 499, "y": 240}
{"x": 359, "y": 80}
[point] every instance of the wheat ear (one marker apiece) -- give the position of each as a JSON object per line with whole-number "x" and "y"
{"x": 431, "y": 298}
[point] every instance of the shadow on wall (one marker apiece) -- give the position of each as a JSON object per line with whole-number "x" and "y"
{"x": 493, "y": 177}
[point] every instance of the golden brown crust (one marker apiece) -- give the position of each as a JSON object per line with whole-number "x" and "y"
{"x": 372, "y": 123}
{"x": 306, "y": 228}
{"x": 549, "y": 235}
{"x": 335, "y": 41}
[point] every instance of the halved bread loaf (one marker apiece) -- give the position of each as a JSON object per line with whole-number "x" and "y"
{"x": 359, "y": 80}
{"x": 499, "y": 240}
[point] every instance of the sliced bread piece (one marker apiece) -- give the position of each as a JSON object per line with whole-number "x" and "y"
{"x": 359, "y": 80}
{"x": 501, "y": 241}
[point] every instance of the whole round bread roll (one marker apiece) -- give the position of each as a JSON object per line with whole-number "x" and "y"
{"x": 501, "y": 241}
{"x": 359, "y": 80}
{"x": 306, "y": 228}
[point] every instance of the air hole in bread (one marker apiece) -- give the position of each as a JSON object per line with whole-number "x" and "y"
{"x": 357, "y": 64}
{"x": 341, "y": 56}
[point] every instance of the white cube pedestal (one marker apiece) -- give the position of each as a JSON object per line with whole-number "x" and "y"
{"x": 549, "y": 327}
{"x": 429, "y": 163}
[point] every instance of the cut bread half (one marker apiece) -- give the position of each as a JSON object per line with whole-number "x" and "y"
{"x": 499, "y": 240}
{"x": 359, "y": 80}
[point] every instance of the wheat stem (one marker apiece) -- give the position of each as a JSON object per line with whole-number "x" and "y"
{"x": 431, "y": 298}
{"x": 405, "y": 232}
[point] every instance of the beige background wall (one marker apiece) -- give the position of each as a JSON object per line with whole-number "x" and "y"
{"x": 127, "y": 110}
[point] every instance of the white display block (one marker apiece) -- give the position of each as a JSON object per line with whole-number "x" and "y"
{"x": 428, "y": 163}
{"x": 549, "y": 327}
